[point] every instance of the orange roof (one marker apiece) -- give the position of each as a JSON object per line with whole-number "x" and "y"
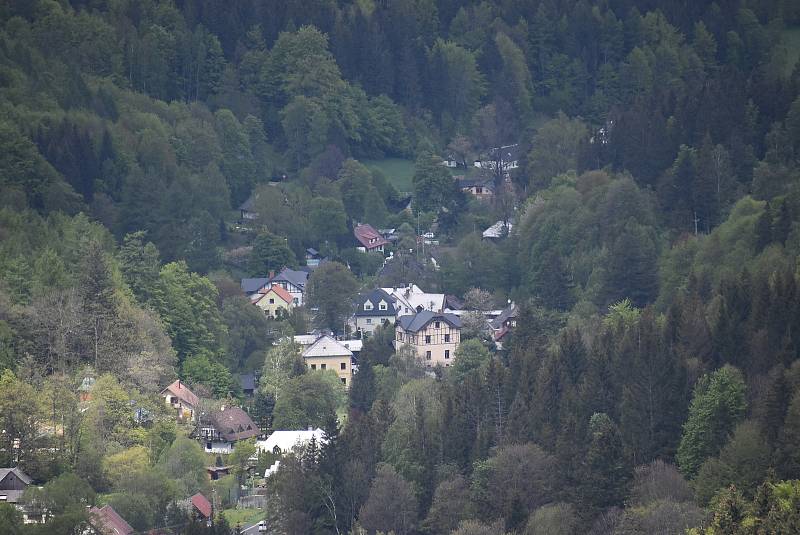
{"x": 280, "y": 292}
{"x": 182, "y": 392}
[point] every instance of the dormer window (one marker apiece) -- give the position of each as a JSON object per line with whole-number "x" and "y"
{"x": 368, "y": 305}
{"x": 382, "y": 305}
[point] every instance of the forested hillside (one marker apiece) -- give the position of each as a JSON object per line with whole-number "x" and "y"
{"x": 640, "y": 158}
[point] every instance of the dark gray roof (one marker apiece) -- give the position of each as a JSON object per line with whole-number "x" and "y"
{"x": 452, "y": 302}
{"x": 473, "y": 181}
{"x": 375, "y": 297}
{"x": 507, "y": 313}
{"x": 22, "y": 476}
{"x": 298, "y": 278}
{"x": 247, "y": 381}
{"x": 419, "y": 320}
{"x": 250, "y": 286}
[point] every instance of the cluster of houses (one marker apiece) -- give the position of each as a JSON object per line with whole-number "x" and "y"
{"x": 101, "y": 520}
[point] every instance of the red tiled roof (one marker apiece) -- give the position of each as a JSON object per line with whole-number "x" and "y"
{"x": 108, "y": 521}
{"x": 182, "y": 392}
{"x": 202, "y": 505}
{"x": 279, "y": 291}
{"x": 369, "y": 237}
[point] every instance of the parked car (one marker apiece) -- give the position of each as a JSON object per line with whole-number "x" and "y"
{"x": 262, "y": 526}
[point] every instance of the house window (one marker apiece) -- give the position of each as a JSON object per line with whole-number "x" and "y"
{"x": 344, "y": 381}
{"x": 479, "y": 190}
{"x": 208, "y": 445}
{"x": 343, "y": 366}
{"x": 427, "y": 355}
{"x": 427, "y": 339}
{"x": 367, "y": 306}
{"x": 446, "y": 338}
{"x": 296, "y": 301}
{"x": 437, "y": 324}
{"x": 382, "y": 306}
{"x": 447, "y": 353}
{"x": 369, "y": 321}
{"x": 322, "y": 366}
{"x": 313, "y": 366}
{"x": 271, "y": 301}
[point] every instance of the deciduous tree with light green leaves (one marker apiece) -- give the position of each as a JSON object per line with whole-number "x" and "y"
{"x": 187, "y": 304}
{"x": 718, "y": 404}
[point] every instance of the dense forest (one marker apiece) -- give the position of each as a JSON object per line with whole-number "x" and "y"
{"x": 651, "y": 383}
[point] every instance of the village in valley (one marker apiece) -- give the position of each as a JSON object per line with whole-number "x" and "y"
{"x": 399, "y": 267}
{"x": 233, "y": 430}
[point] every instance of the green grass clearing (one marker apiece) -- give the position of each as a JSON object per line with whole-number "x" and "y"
{"x": 397, "y": 170}
{"x": 245, "y": 516}
{"x": 791, "y": 39}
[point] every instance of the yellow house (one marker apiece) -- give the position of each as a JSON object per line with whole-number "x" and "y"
{"x": 273, "y": 299}
{"x": 328, "y": 354}
{"x": 433, "y": 336}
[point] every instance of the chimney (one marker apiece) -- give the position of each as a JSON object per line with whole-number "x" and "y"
{"x": 271, "y": 274}
{"x": 179, "y": 384}
{"x": 310, "y": 427}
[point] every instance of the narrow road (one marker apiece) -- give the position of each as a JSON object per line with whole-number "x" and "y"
{"x": 251, "y": 529}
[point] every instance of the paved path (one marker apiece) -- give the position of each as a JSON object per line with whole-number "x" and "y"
{"x": 251, "y": 529}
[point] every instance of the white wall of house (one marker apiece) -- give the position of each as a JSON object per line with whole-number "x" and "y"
{"x": 368, "y": 324}
{"x": 217, "y": 446}
{"x": 294, "y": 291}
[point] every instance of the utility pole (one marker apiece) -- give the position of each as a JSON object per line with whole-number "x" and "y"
{"x": 696, "y": 220}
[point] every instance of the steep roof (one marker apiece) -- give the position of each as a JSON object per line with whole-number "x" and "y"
{"x": 326, "y": 346}
{"x": 22, "y": 476}
{"x": 411, "y": 297}
{"x": 296, "y": 277}
{"x": 108, "y": 521}
{"x": 498, "y": 230}
{"x": 233, "y": 424}
{"x": 277, "y": 290}
{"x": 453, "y": 303}
{"x": 375, "y": 297}
{"x": 420, "y": 320}
{"x": 368, "y": 236}
{"x": 202, "y": 505}
{"x": 507, "y": 313}
{"x": 182, "y": 392}
{"x": 250, "y": 286}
